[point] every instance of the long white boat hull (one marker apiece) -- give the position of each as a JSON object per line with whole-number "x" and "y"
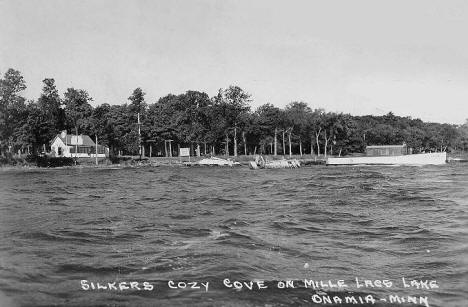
{"x": 435, "y": 158}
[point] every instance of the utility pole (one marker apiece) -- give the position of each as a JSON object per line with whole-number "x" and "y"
{"x": 96, "y": 151}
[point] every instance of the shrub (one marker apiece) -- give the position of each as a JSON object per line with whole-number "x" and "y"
{"x": 46, "y": 161}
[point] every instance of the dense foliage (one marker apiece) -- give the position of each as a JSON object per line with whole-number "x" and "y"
{"x": 221, "y": 124}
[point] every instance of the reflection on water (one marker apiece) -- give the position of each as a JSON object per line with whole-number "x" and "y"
{"x": 58, "y": 227}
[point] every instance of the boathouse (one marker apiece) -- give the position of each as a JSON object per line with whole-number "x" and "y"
{"x": 386, "y": 150}
{"x": 79, "y": 146}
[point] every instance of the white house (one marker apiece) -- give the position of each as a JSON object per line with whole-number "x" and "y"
{"x": 79, "y": 146}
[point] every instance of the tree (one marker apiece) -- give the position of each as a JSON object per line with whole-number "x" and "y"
{"x": 78, "y": 110}
{"x": 12, "y": 107}
{"x": 50, "y": 106}
{"x": 192, "y": 118}
{"x": 314, "y": 128}
{"x": 231, "y": 104}
{"x": 137, "y": 101}
{"x": 270, "y": 121}
{"x": 34, "y": 128}
{"x": 297, "y": 118}
{"x": 137, "y": 106}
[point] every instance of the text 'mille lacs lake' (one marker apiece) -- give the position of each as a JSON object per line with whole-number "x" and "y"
{"x": 338, "y": 236}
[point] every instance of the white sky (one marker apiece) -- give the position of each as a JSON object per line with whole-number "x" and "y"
{"x": 361, "y": 57}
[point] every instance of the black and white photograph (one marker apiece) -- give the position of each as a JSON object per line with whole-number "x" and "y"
{"x": 234, "y": 153}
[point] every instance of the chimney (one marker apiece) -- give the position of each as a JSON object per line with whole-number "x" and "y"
{"x": 63, "y": 134}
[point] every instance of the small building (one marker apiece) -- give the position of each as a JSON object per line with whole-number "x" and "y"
{"x": 79, "y": 146}
{"x": 386, "y": 150}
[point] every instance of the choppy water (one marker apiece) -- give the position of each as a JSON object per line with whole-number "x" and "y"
{"x": 58, "y": 227}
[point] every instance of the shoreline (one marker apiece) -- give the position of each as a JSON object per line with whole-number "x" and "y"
{"x": 134, "y": 162}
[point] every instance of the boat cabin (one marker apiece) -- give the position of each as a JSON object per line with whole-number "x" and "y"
{"x": 386, "y": 150}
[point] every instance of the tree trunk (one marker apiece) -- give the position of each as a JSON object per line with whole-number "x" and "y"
{"x": 317, "y": 134}
{"x": 235, "y": 141}
{"x": 289, "y": 139}
{"x": 275, "y": 150}
{"x": 284, "y": 145}
{"x": 300, "y": 147}
{"x": 245, "y": 143}
{"x": 326, "y": 144}
{"x": 311, "y": 145}
{"x": 227, "y": 145}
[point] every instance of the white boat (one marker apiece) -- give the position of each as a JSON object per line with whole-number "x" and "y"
{"x": 213, "y": 161}
{"x": 436, "y": 158}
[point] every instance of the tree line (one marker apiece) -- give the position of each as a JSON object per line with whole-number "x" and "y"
{"x": 222, "y": 124}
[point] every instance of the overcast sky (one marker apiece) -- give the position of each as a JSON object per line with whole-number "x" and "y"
{"x": 358, "y": 57}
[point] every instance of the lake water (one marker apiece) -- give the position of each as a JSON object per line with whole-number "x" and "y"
{"x": 156, "y": 224}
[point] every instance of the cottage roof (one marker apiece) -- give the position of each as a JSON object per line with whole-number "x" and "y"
{"x": 71, "y": 139}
